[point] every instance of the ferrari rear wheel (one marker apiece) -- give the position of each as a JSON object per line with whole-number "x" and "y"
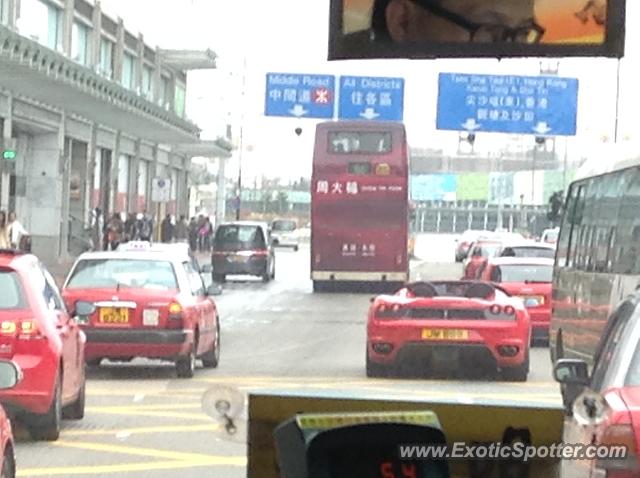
{"x": 75, "y": 411}
{"x": 8, "y": 464}
{"x": 376, "y": 370}
{"x": 186, "y": 366}
{"x": 518, "y": 373}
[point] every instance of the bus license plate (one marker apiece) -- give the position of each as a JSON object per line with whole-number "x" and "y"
{"x": 113, "y": 315}
{"x": 445, "y": 334}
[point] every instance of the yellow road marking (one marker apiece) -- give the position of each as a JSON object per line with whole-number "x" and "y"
{"x": 147, "y": 452}
{"x": 151, "y": 407}
{"x": 144, "y": 430}
{"x": 148, "y": 413}
{"x": 130, "y": 467}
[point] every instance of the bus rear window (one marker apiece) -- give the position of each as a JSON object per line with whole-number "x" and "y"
{"x": 359, "y": 142}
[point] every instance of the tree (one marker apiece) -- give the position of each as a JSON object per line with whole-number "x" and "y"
{"x": 556, "y": 203}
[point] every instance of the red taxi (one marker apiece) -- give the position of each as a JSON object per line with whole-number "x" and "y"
{"x": 148, "y": 303}
{"x": 452, "y": 321}
{"x": 530, "y": 279}
{"x": 603, "y": 404}
{"x": 10, "y": 376}
{"x": 38, "y": 333}
{"x": 478, "y": 254}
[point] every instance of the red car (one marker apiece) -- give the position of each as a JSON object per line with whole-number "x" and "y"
{"x": 38, "y": 333}
{"x": 529, "y": 278}
{"x": 603, "y": 405}
{"x": 478, "y": 254}
{"x": 452, "y": 321}
{"x": 10, "y": 376}
{"x": 149, "y": 303}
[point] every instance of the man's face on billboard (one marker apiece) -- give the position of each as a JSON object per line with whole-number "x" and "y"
{"x": 459, "y": 20}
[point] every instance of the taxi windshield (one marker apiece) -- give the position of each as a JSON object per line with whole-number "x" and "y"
{"x": 116, "y": 273}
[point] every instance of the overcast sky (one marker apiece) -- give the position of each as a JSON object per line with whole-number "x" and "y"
{"x": 291, "y": 36}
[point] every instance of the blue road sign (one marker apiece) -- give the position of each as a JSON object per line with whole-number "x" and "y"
{"x": 300, "y": 96}
{"x": 539, "y": 105}
{"x": 371, "y": 98}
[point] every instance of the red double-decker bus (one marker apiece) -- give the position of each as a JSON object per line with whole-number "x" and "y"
{"x": 359, "y": 205}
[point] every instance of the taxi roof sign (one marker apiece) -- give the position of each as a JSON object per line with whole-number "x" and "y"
{"x": 335, "y": 420}
{"x": 135, "y": 246}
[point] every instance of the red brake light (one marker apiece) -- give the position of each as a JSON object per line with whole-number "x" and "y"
{"x": 260, "y": 253}
{"x": 495, "y": 309}
{"x": 8, "y": 327}
{"x": 509, "y": 310}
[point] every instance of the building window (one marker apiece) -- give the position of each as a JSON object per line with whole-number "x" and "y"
{"x": 4, "y": 12}
{"x": 128, "y": 63}
{"x": 40, "y": 22}
{"x": 147, "y": 82}
{"x": 106, "y": 58}
{"x": 80, "y": 43}
{"x": 165, "y": 98}
{"x": 180, "y": 99}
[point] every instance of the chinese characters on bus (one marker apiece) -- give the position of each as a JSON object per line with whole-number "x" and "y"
{"x": 352, "y": 188}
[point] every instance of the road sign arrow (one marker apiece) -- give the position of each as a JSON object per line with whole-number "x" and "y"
{"x": 298, "y": 111}
{"x": 542, "y": 128}
{"x": 471, "y": 125}
{"x": 369, "y": 114}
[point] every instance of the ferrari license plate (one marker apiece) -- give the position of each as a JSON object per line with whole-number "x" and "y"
{"x": 445, "y": 334}
{"x": 114, "y": 315}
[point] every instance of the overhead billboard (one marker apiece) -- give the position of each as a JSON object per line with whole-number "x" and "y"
{"x": 453, "y": 28}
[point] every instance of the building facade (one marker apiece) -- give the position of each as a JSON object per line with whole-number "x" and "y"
{"x": 90, "y": 117}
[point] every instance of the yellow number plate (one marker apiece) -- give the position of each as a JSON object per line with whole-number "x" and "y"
{"x": 445, "y": 334}
{"x": 112, "y": 315}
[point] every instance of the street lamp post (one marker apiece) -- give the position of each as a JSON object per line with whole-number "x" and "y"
{"x": 241, "y": 153}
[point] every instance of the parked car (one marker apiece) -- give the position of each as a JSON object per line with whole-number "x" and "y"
{"x": 530, "y": 279}
{"x": 10, "y": 376}
{"x": 466, "y": 323}
{"x": 243, "y": 248}
{"x": 550, "y": 236}
{"x": 44, "y": 339}
{"x": 464, "y": 242}
{"x": 148, "y": 303}
{"x": 603, "y": 406}
{"x": 284, "y": 233}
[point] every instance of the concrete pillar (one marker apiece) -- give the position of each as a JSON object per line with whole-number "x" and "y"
{"x": 96, "y": 35}
{"x": 67, "y": 26}
{"x": 134, "y": 168}
{"x": 221, "y": 201}
{"x": 13, "y": 14}
{"x": 139, "y": 63}
{"x": 5, "y": 172}
{"x": 41, "y": 206}
{"x": 157, "y": 79}
{"x": 65, "y": 190}
{"x": 119, "y": 52}
{"x": 89, "y": 177}
{"x": 113, "y": 185}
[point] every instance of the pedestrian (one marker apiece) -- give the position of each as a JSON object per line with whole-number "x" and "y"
{"x": 4, "y": 231}
{"x": 145, "y": 228}
{"x": 166, "y": 230}
{"x": 115, "y": 229}
{"x": 193, "y": 234}
{"x": 182, "y": 229}
{"x": 17, "y": 233}
{"x": 129, "y": 227}
{"x": 97, "y": 228}
{"x": 209, "y": 233}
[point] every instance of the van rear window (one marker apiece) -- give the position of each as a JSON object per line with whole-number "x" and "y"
{"x": 359, "y": 142}
{"x": 11, "y": 295}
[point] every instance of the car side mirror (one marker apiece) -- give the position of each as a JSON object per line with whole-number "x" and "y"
{"x": 10, "y": 374}
{"x": 214, "y": 290}
{"x": 571, "y": 372}
{"x": 206, "y": 269}
{"x": 83, "y": 308}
